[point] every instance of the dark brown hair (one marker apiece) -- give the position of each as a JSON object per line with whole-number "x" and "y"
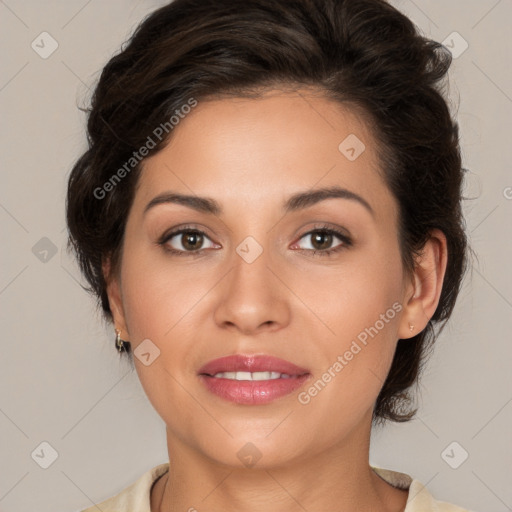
{"x": 363, "y": 53}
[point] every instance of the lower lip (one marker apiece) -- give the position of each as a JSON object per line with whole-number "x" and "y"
{"x": 252, "y": 392}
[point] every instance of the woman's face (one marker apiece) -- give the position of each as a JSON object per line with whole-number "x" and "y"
{"x": 251, "y": 283}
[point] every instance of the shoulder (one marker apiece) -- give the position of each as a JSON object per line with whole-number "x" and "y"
{"x": 419, "y": 499}
{"x": 134, "y": 497}
{"x": 137, "y": 495}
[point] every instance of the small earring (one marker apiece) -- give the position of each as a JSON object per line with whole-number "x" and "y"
{"x": 411, "y": 327}
{"x": 120, "y": 344}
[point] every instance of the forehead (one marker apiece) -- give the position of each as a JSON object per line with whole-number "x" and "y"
{"x": 260, "y": 149}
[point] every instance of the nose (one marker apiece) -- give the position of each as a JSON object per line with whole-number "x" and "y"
{"x": 253, "y": 297}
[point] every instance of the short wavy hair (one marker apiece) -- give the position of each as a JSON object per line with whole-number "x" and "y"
{"x": 362, "y": 53}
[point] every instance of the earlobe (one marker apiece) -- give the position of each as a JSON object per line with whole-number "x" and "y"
{"x": 428, "y": 277}
{"x": 115, "y": 299}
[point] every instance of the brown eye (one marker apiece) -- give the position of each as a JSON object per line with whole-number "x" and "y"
{"x": 186, "y": 240}
{"x": 323, "y": 239}
{"x": 191, "y": 241}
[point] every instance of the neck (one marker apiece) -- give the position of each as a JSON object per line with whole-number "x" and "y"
{"x": 338, "y": 479}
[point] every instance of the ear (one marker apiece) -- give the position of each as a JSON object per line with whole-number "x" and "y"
{"x": 423, "y": 292}
{"x": 115, "y": 298}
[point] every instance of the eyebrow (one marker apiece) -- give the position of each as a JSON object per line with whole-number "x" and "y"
{"x": 298, "y": 201}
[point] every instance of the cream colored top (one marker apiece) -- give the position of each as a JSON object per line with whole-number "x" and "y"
{"x": 136, "y": 497}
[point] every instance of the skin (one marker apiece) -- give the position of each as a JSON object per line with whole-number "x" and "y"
{"x": 250, "y": 155}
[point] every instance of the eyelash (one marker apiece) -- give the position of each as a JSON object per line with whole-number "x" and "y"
{"x": 325, "y": 229}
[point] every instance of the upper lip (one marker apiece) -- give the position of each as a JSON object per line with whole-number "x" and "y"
{"x": 251, "y": 363}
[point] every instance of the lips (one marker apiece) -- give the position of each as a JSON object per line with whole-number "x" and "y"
{"x": 252, "y": 380}
{"x": 240, "y": 363}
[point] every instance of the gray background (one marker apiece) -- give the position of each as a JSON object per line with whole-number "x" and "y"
{"x": 62, "y": 382}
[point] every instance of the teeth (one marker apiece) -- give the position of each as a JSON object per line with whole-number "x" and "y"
{"x": 251, "y": 375}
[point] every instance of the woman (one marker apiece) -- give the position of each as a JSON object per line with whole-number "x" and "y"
{"x": 269, "y": 213}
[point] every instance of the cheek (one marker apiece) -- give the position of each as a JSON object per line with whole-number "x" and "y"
{"x": 356, "y": 294}
{"x": 159, "y": 302}
{"x": 158, "y": 296}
